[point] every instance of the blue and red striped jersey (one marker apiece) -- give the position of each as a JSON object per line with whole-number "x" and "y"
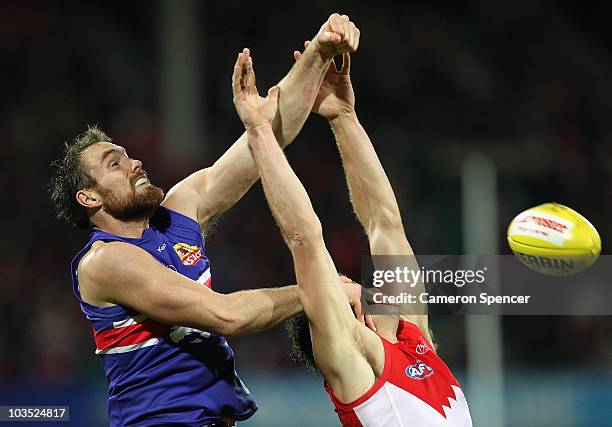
{"x": 160, "y": 374}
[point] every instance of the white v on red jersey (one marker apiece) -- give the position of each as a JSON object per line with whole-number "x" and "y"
{"x": 416, "y": 388}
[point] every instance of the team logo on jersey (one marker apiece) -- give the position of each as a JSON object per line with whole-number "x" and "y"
{"x": 422, "y": 348}
{"x": 419, "y": 371}
{"x": 189, "y": 255}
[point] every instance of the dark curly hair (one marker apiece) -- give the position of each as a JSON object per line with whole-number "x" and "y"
{"x": 70, "y": 176}
{"x": 301, "y": 353}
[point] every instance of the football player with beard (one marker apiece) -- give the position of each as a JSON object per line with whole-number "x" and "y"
{"x": 143, "y": 279}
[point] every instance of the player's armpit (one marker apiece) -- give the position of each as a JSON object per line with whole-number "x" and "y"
{"x": 339, "y": 349}
{"x": 359, "y": 362}
{"x": 121, "y": 273}
{"x": 180, "y": 198}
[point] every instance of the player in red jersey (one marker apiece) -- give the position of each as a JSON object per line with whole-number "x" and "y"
{"x": 390, "y": 377}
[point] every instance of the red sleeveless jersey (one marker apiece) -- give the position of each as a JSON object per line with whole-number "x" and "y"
{"x": 416, "y": 388}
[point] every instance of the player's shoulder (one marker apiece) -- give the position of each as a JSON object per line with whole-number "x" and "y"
{"x": 108, "y": 268}
{"x": 96, "y": 269}
{"x": 104, "y": 257}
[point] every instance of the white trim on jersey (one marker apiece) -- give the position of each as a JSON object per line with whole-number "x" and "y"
{"x": 129, "y": 321}
{"x": 393, "y": 406}
{"x": 204, "y": 277}
{"x": 127, "y": 348}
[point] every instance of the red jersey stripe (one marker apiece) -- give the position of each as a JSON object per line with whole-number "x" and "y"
{"x": 129, "y": 335}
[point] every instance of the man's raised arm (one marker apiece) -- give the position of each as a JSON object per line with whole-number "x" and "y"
{"x": 371, "y": 194}
{"x": 333, "y": 327}
{"x": 299, "y": 88}
{"x": 211, "y": 191}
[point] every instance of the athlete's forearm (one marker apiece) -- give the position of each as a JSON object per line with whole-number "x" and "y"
{"x": 320, "y": 290}
{"x": 371, "y": 193}
{"x": 298, "y": 90}
{"x": 261, "y": 309}
{"x": 376, "y": 207}
{"x": 287, "y": 198}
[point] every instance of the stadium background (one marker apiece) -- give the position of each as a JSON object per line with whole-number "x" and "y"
{"x": 526, "y": 83}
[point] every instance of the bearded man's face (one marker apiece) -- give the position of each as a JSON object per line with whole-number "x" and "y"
{"x": 122, "y": 184}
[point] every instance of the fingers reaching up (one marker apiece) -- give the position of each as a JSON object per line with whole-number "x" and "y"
{"x": 243, "y": 78}
{"x": 252, "y": 108}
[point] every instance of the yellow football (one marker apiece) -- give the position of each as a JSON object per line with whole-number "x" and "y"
{"x": 554, "y": 239}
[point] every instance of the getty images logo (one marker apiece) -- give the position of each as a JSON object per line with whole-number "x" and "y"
{"x": 419, "y": 371}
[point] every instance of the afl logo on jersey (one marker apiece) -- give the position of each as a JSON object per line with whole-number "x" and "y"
{"x": 422, "y": 348}
{"x": 189, "y": 255}
{"x": 419, "y": 371}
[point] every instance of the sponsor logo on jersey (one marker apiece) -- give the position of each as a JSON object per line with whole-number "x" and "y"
{"x": 185, "y": 335}
{"x": 189, "y": 255}
{"x": 419, "y": 371}
{"x": 422, "y": 348}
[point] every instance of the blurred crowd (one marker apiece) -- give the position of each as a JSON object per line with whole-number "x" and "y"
{"x": 526, "y": 83}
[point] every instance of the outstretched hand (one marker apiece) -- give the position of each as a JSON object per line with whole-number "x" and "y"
{"x": 252, "y": 108}
{"x": 336, "y": 96}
